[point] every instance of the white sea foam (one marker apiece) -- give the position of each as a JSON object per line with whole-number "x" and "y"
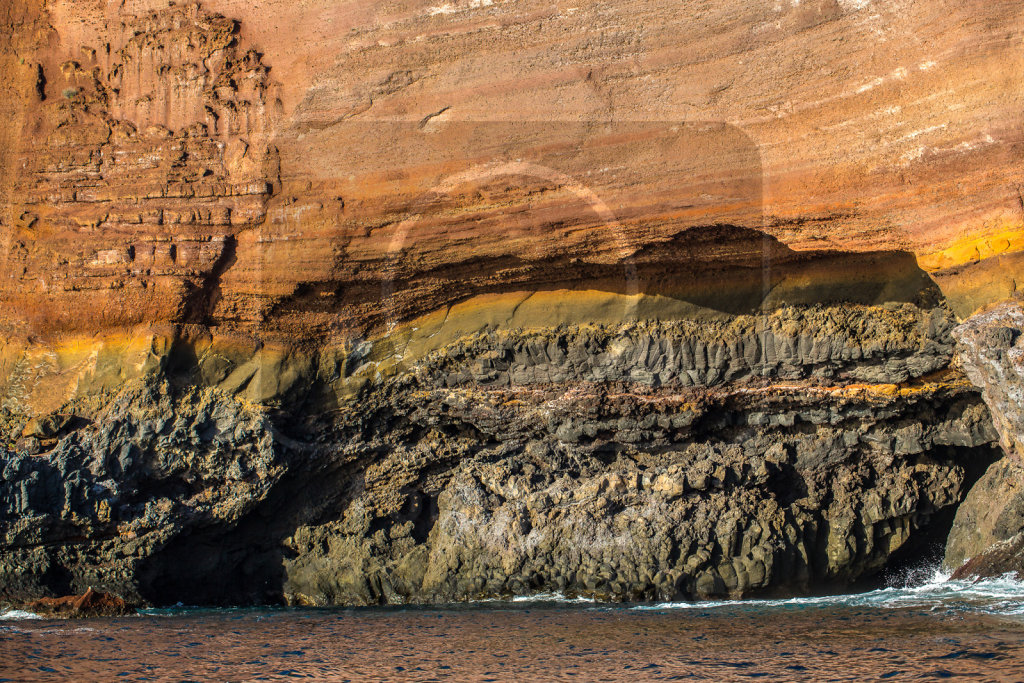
{"x": 554, "y": 597}
{"x": 1002, "y": 595}
{"x": 15, "y": 614}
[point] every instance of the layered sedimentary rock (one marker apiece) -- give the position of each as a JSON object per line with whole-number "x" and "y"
{"x": 383, "y": 302}
{"x": 804, "y": 448}
{"x": 245, "y": 139}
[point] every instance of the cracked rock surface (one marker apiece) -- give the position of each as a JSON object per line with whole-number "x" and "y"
{"x": 451, "y": 481}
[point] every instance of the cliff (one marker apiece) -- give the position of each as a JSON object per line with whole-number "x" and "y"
{"x": 379, "y": 302}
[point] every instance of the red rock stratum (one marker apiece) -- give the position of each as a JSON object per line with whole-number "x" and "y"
{"x": 184, "y": 163}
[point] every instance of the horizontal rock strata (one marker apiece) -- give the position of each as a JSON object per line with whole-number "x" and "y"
{"x": 196, "y": 163}
{"x": 357, "y": 303}
{"x": 644, "y": 461}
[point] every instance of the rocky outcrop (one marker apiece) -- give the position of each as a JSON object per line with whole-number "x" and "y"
{"x": 144, "y": 154}
{"x": 149, "y": 469}
{"x": 305, "y": 302}
{"x": 999, "y": 559}
{"x": 661, "y": 495}
{"x": 638, "y": 461}
{"x": 89, "y": 604}
{"x": 991, "y": 513}
{"x": 990, "y": 345}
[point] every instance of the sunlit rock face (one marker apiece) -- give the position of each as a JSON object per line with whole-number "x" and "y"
{"x": 382, "y": 302}
{"x": 990, "y": 346}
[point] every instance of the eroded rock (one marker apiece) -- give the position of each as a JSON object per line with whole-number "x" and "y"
{"x": 991, "y": 349}
{"x": 985, "y": 538}
{"x": 87, "y": 605}
{"x": 992, "y": 512}
{"x": 797, "y": 476}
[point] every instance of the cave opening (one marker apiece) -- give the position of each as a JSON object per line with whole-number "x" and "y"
{"x": 919, "y": 559}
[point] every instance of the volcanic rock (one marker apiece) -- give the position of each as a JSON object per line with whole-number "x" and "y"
{"x": 991, "y": 348}
{"x": 990, "y": 345}
{"x": 89, "y": 604}
{"x": 361, "y": 303}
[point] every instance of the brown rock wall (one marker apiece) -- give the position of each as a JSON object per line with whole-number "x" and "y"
{"x": 145, "y": 140}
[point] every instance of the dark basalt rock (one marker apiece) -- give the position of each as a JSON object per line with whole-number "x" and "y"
{"x": 797, "y": 477}
{"x": 152, "y": 468}
{"x": 986, "y": 535}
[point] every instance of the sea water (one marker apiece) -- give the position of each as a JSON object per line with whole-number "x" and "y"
{"x": 936, "y": 629}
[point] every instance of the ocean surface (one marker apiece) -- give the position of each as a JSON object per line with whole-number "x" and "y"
{"x": 936, "y": 630}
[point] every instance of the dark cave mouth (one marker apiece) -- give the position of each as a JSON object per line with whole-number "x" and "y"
{"x": 917, "y": 561}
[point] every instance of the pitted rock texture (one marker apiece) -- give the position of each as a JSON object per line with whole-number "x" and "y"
{"x": 671, "y": 498}
{"x": 110, "y": 494}
{"x": 441, "y": 484}
{"x": 991, "y": 348}
{"x": 143, "y": 155}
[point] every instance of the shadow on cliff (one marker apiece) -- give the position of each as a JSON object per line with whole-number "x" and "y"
{"x": 718, "y": 269}
{"x": 661, "y": 208}
{"x": 244, "y": 564}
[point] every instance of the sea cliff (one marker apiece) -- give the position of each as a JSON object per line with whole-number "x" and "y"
{"x": 371, "y": 303}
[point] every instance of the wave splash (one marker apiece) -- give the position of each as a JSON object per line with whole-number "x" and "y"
{"x": 1002, "y": 596}
{"x": 932, "y": 590}
{"x": 17, "y": 614}
{"x": 997, "y": 596}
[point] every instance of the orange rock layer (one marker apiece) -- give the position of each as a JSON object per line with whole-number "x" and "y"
{"x": 308, "y": 169}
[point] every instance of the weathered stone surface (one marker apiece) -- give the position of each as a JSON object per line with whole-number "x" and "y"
{"x": 992, "y": 512}
{"x": 429, "y": 488}
{"x": 1004, "y": 557}
{"x": 991, "y": 348}
{"x": 984, "y": 538}
{"x": 89, "y": 604}
{"x": 312, "y": 302}
{"x": 237, "y": 161}
{"x": 151, "y": 469}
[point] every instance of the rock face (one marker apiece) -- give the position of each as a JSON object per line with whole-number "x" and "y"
{"x": 987, "y": 525}
{"x": 383, "y": 302}
{"x": 143, "y": 156}
{"x": 640, "y": 461}
{"x": 231, "y": 161}
{"x": 993, "y": 512}
{"x": 991, "y": 345}
{"x": 149, "y": 469}
{"x": 1001, "y": 558}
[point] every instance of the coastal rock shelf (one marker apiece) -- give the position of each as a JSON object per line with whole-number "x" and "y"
{"x": 444, "y": 483}
{"x": 359, "y": 303}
